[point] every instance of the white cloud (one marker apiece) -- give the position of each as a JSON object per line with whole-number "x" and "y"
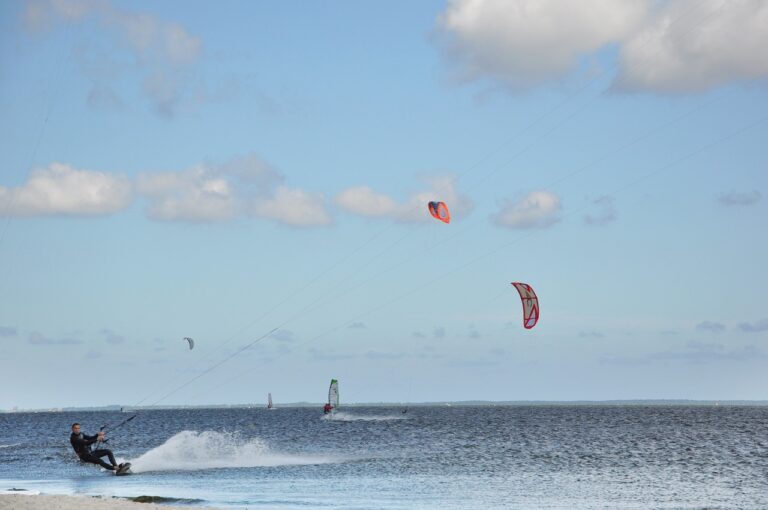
{"x": 243, "y": 186}
{"x": 294, "y": 207}
{"x": 538, "y": 209}
{"x": 165, "y": 52}
{"x": 61, "y": 189}
{"x": 252, "y": 171}
{"x": 193, "y": 195}
{"x": 696, "y": 45}
{"x": 364, "y": 201}
{"x": 674, "y": 46}
{"x": 526, "y": 42}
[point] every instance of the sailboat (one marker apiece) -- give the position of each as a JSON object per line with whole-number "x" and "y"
{"x": 333, "y": 398}
{"x": 269, "y": 402}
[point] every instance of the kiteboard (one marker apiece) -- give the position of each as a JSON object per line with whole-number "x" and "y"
{"x": 124, "y": 469}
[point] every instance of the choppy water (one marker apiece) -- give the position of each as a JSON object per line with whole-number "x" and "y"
{"x": 578, "y": 457}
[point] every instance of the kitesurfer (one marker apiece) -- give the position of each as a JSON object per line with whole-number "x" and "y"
{"x": 81, "y": 443}
{"x": 327, "y": 408}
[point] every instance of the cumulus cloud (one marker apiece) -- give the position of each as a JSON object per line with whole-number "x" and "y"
{"x": 164, "y": 52}
{"x": 676, "y": 46}
{"x": 252, "y": 171}
{"x": 196, "y": 194}
{"x": 735, "y": 198}
{"x": 61, "y": 189}
{"x": 711, "y": 327}
{"x": 696, "y": 45}
{"x": 294, "y": 207}
{"x": 246, "y": 185}
{"x": 754, "y": 327}
{"x": 527, "y": 42}
{"x": 537, "y": 209}
{"x": 604, "y": 211}
{"x": 364, "y": 201}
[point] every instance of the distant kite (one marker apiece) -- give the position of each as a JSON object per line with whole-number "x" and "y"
{"x": 439, "y": 211}
{"x": 191, "y": 342}
{"x": 530, "y": 304}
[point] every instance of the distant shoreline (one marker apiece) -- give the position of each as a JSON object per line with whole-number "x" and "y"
{"x": 463, "y": 403}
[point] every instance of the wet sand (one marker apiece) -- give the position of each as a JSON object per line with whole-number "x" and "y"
{"x": 29, "y": 501}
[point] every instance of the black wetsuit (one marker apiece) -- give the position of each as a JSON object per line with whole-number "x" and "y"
{"x": 82, "y": 446}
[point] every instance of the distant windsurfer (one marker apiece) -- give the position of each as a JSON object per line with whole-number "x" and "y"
{"x": 82, "y": 444}
{"x": 333, "y": 398}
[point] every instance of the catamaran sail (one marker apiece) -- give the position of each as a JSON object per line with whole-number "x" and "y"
{"x": 269, "y": 401}
{"x": 333, "y": 396}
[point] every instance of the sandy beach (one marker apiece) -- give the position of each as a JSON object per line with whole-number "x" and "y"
{"x": 48, "y": 502}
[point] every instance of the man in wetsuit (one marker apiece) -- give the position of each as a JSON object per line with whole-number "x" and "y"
{"x": 82, "y": 446}
{"x": 327, "y": 408}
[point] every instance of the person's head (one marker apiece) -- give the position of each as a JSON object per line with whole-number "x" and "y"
{"x": 75, "y": 428}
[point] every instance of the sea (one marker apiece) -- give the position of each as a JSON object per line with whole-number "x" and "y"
{"x": 441, "y": 457}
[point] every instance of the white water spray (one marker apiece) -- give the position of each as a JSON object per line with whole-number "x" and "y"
{"x": 343, "y": 416}
{"x": 191, "y": 450}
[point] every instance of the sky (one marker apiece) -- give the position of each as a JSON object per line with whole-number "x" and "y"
{"x": 255, "y": 175}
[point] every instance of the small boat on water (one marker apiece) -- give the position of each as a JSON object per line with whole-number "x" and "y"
{"x": 270, "y": 406}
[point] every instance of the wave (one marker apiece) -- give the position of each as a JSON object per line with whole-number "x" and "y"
{"x": 191, "y": 450}
{"x": 9, "y": 445}
{"x": 343, "y": 416}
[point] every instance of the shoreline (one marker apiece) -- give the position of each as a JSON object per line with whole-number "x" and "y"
{"x": 29, "y": 500}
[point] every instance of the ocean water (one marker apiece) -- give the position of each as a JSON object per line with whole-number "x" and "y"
{"x": 565, "y": 457}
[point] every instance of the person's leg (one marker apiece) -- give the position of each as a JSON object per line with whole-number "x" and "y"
{"x": 93, "y": 459}
{"x": 108, "y": 453}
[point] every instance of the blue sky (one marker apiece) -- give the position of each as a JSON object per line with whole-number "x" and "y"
{"x": 217, "y": 171}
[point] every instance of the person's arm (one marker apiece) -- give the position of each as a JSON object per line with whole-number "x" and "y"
{"x": 89, "y": 440}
